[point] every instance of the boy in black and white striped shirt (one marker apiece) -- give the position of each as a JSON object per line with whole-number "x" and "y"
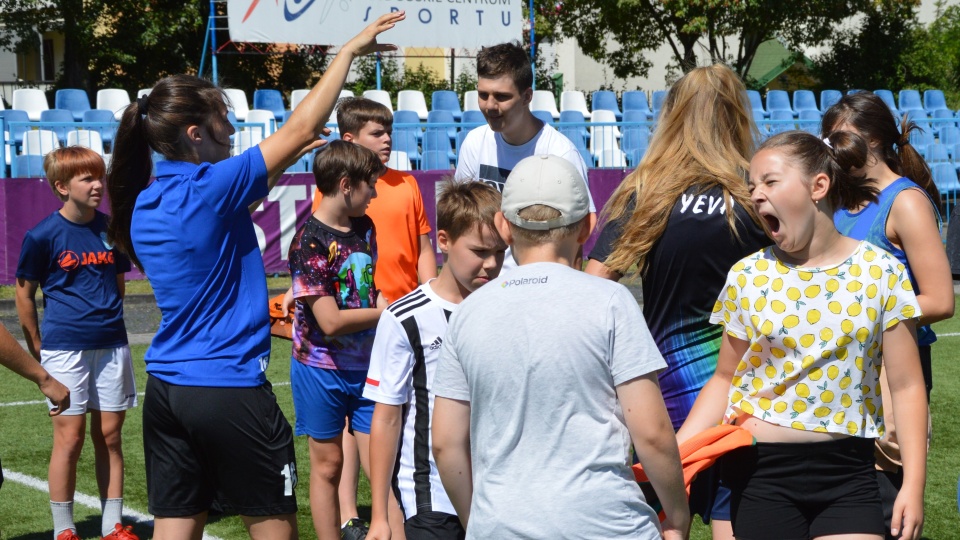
{"x": 404, "y": 358}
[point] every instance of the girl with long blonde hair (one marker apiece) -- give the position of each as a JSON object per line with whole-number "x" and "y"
{"x": 679, "y": 222}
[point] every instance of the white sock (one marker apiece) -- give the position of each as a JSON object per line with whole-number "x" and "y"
{"x": 62, "y": 517}
{"x": 111, "y": 514}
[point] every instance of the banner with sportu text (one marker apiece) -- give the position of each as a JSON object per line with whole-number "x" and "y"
{"x": 430, "y": 23}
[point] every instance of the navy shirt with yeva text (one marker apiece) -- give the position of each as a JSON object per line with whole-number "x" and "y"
{"x": 193, "y": 233}
{"x": 76, "y": 267}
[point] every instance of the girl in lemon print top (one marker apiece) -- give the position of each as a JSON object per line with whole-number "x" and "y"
{"x": 806, "y": 324}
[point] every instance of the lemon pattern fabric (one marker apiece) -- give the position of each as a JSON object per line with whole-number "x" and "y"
{"x": 815, "y": 338}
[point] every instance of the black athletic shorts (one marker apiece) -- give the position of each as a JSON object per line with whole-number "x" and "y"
{"x": 434, "y": 526}
{"x": 787, "y": 491}
{"x": 206, "y": 443}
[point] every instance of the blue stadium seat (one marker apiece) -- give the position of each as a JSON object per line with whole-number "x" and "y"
{"x": 778, "y": 100}
{"x": 574, "y": 117}
{"x": 104, "y": 116}
{"x": 472, "y": 119}
{"x": 950, "y": 135}
{"x": 435, "y": 160}
{"x": 659, "y": 96}
{"x": 633, "y": 137}
{"x": 945, "y": 178}
{"x": 920, "y": 140}
{"x": 937, "y": 152}
{"x": 15, "y": 135}
{"x": 887, "y": 97}
{"x": 778, "y": 121}
{"x": 636, "y": 100}
{"x": 61, "y": 116}
{"x": 74, "y": 100}
{"x": 761, "y": 123}
{"x": 443, "y": 117}
{"x": 412, "y": 121}
{"x": 635, "y": 156}
{"x": 910, "y": 102}
{"x": 943, "y": 119}
{"x": 269, "y": 100}
{"x": 828, "y": 98}
{"x": 407, "y": 140}
{"x": 933, "y": 100}
{"x": 756, "y": 103}
{"x": 27, "y": 167}
{"x": 446, "y": 100}
{"x": 434, "y": 139}
{"x": 544, "y": 116}
{"x": 804, "y": 100}
{"x": 954, "y": 150}
{"x": 810, "y": 121}
{"x": 587, "y": 157}
{"x": 606, "y": 100}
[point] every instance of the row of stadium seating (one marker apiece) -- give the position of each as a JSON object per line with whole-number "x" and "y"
{"x": 803, "y": 105}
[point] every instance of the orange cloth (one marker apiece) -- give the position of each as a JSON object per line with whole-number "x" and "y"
{"x": 699, "y": 452}
{"x": 280, "y": 326}
{"x": 400, "y": 219}
{"x": 702, "y": 450}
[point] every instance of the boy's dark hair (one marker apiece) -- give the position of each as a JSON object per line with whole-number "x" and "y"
{"x": 509, "y": 59}
{"x": 354, "y": 112}
{"x": 343, "y": 159}
{"x": 844, "y": 152}
{"x": 466, "y": 206}
{"x": 63, "y": 164}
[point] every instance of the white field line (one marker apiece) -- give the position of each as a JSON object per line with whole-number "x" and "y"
{"x": 140, "y": 394}
{"x": 84, "y": 500}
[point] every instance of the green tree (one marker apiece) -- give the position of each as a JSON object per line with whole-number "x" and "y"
{"x": 133, "y": 43}
{"x": 620, "y": 33}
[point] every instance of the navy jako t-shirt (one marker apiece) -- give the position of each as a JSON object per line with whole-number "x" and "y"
{"x": 77, "y": 270}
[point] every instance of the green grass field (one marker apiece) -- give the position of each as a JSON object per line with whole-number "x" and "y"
{"x": 26, "y": 438}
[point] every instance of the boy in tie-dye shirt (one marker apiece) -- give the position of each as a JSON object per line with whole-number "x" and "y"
{"x": 337, "y": 306}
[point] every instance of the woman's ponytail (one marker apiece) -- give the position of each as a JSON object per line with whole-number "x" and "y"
{"x": 908, "y": 162}
{"x": 128, "y": 175}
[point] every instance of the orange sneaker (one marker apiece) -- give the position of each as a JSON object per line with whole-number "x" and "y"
{"x": 119, "y": 533}
{"x": 68, "y": 534}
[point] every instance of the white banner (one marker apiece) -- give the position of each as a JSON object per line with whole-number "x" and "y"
{"x": 429, "y": 23}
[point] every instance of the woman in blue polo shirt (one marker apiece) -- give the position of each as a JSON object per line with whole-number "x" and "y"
{"x": 211, "y": 424}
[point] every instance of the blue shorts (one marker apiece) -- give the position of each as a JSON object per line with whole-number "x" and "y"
{"x": 324, "y": 398}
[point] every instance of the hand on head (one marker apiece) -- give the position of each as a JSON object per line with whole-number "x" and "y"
{"x": 366, "y": 41}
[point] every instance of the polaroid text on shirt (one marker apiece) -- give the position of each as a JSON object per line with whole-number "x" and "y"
{"x": 524, "y": 281}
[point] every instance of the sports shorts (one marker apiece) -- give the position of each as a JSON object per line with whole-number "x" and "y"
{"x": 229, "y": 444}
{"x": 434, "y": 526}
{"x": 324, "y": 398}
{"x": 788, "y": 491}
{"x": 98, "y": 379}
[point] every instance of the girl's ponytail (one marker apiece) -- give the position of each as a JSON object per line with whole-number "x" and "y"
{"x": 910, "y": 163}
{"x": 849, "y": 152}
{"x": 128, "y": 175}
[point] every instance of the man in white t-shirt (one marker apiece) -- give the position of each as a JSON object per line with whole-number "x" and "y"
{"x": 504, "y": 91}
{"x": 535, "y": 413}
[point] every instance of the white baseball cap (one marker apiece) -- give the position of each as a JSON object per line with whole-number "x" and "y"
{"x": 548, "y": 180}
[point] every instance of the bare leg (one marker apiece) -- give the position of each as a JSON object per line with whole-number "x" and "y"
{"x": 283, "y": 527}
{"x": 179, "y": 528}
{"x": 105, "y": 430}
{"x": 722, "y": 530}
{"x": 349, "y": 476}
{"x": 326, "y": 459}
{"x": 68, "y": 435}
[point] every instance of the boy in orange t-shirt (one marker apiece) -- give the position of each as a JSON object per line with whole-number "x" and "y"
{"x": 405, "y": 249}
{"x": 404, "y": 255}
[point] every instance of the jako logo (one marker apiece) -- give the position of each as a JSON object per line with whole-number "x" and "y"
{"x": 524, "y": 281}
{"x": 68, "y": 261}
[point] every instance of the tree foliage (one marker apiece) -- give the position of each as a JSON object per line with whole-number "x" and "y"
{"x": 133, "y": 43}
{"x": 891, "y": 49}
{"x": 620, "y": 33}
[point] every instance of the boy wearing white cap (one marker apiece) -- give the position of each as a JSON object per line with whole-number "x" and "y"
{"x": 535, "y": 414}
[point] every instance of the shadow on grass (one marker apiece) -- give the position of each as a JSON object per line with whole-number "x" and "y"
{"x": 90, "y": 528}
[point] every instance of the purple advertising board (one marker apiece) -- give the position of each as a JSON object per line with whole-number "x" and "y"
{"x": 25, "y": 201}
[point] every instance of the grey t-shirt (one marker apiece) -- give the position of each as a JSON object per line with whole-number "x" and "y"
{"x": 538, "y": 354}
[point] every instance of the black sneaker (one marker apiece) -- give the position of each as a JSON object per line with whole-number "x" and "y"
{"x": 354, "y": 530}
